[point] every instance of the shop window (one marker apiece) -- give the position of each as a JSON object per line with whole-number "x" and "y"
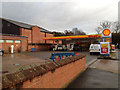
{"x": 17, "y": 41}
{"x": 1, "y": 41}
{"x": 9, "y": 41}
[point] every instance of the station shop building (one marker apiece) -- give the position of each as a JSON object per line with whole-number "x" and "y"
{"x": 23, "y": 36}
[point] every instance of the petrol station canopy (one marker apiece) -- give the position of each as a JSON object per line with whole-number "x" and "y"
{"x": 74, "y": 37}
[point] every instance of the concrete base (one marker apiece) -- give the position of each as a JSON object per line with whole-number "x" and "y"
{"x": 113, "y": 55}
{"x": 103, "y": 57}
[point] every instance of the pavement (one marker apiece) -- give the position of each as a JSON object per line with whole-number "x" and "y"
{"x": 106, "y": 65}
{"x": 101, "y": 73}
{"x": 94, "y": 78}
{"x": 20, "y": 61}
{"x": 14, "y": 62}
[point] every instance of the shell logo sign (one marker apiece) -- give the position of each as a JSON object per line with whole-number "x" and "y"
{"x": 106, "y": 32}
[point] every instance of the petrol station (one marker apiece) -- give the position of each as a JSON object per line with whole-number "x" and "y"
{"x": 83, "y": 41}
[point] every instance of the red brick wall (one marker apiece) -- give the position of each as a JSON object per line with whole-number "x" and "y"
{"x": 26, "y": 32}
{"x": 42, "y": 36}
{"x": 17, "y": 46}
{"x": 36, "y": 35}
{"x": 49, "y": 35}
{"x": 66, "y": 71}
{"x": 39, "y": 47}
{"x": 59, "y": 78}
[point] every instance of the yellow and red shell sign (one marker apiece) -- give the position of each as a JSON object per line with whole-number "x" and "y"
{"x": 106, "y": 32}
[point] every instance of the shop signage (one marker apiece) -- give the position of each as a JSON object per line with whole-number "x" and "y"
{"x": 104, "y": 47}
{"x": 106, "y": 33}
{"x": 108, "y": 40}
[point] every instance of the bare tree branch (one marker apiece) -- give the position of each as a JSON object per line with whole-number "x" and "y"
{"x": 104, "y": 24}
{"x": 116, "y": 27}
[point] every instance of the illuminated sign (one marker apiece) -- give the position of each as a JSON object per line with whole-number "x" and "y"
{"x": 108, "y": 40}
{"x": 106, "y": 33}
{"x": 104, "y": 48}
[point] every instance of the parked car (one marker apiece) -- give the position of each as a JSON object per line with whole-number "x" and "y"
{"x": 60, "y": 48}
{"x": 77, "y": 48}
{"x": 1, "y": 52}
{"x": 51, "y": 48}
{"x": 94, "y": 49}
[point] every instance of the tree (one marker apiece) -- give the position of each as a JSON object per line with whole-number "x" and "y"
{"x": 98, "y": 29}
{"x": 104, "y": 24}
{"x": 116, "y": 27}
{"x": 58, "y": 34}
{"x": 116, "y": 39}
{"x": 68, "y": 33}
{"x": 77, "y": 31}
{"x": 116, "y": 34}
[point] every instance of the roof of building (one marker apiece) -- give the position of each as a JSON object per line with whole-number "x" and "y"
{"x": 44, "y": 30}
{"x": 24, "y": 25}
{"x": 21, "y": 24}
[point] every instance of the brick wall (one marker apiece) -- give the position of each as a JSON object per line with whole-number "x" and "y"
{"x": 50, "y": 75}
{"x": 17, "y": 46}
{"x": 39, "y": 47}
{"x": 49, "y": 35}
{"x": 26, "y": 32}
{"x": 36, "y": 35}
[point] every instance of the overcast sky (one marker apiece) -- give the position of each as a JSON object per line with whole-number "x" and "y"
{"x": 62, "y": 15}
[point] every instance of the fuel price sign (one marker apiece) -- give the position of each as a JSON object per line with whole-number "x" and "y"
{"x": 104, "y": 48}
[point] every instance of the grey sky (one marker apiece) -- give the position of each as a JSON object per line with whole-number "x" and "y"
{"x": 60, "y": 16}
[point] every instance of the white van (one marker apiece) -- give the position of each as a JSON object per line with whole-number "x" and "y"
{"x": 94, "y": 48}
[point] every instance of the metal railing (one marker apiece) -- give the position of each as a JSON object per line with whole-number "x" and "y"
{"x": 60, "y": 56}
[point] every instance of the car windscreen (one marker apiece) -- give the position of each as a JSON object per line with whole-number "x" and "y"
{"x": 96, "y": 47}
